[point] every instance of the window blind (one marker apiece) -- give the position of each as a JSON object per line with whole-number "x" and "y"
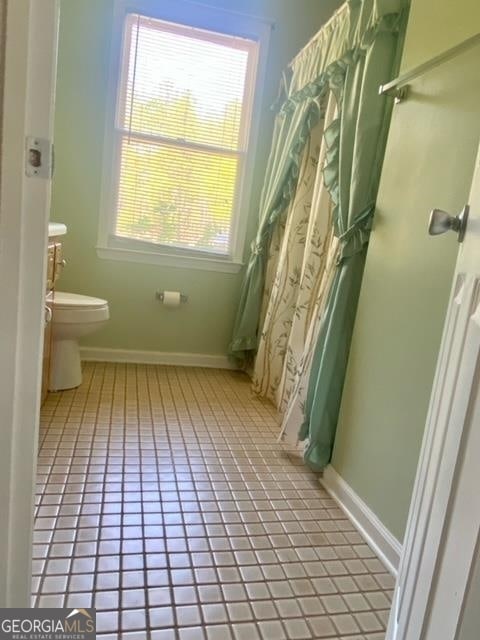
{"x": 183, "y": 113}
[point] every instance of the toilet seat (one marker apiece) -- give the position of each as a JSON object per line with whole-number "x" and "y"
{"x": 72, "y": 308}
{"x": 64, "y": 300}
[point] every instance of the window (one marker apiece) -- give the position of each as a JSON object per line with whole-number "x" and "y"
{"x": 182, "y": 119}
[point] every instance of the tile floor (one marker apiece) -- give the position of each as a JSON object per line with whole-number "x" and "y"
{"x": 165, "y": 502}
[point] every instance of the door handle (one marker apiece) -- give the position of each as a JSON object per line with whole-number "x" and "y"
{"x": 441, "y": 221}
{"x": 48, "y": 314}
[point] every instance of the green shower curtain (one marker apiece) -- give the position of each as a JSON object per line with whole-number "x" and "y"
{"x": 355, "y": 52}
{"x": 292, "y": 127}
{"x": 358, "y": 144}
{"x": 348, "y": 41}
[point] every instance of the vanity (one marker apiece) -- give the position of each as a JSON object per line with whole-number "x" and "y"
{"x": 55, "y": 264}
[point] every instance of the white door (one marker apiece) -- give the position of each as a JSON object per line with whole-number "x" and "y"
{"x": 30, "y": 45}
{"x": 442, "y": 541}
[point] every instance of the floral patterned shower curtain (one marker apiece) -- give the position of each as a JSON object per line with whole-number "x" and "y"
{"x": 300, "y": 267}
{"x": 316, "y": 214}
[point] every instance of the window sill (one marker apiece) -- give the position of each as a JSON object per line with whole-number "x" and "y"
{"x": 169, "y": 260}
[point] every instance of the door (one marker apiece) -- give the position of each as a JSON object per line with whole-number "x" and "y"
{"x": 29, "y": 44}
{"x": 442, "y": 542}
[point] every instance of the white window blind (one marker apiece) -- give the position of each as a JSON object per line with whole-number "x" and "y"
{"x": 183, "y": 114}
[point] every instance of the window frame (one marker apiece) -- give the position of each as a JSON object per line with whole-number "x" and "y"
{"x": 110, "y": 246}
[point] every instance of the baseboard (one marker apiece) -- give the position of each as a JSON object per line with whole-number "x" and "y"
{"x": 382, "y": 541}
{"x": 98, "y": 354}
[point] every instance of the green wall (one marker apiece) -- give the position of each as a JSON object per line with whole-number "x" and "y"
{"x": 204, "y": 325}
{"x": 437, "y": 25}
{"x": 429, "y": 163}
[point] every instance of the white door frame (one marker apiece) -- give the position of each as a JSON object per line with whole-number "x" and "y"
{"x": 29, "y": 89}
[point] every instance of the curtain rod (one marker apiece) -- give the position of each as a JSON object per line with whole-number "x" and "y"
{"x": 398, "y": 88}
{"x": 334, "y": 15}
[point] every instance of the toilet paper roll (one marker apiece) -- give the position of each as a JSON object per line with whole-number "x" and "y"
{"x": 171, "y": 298}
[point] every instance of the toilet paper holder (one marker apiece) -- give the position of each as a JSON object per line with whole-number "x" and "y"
{"x": 159, "y": 295}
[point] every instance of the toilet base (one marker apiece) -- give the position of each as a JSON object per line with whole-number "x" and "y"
{"x": 66, "y": 368}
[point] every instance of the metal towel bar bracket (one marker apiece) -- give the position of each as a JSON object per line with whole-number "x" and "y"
{"x": 399, "y": 88}
{"x": 397, "y": 93}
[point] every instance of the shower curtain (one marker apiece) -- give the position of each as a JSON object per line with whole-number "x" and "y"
{"x": 302, "y": 283}
{"x": 300, "y": 268}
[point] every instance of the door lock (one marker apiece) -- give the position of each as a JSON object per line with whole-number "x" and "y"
{"x": 38, "y": 157}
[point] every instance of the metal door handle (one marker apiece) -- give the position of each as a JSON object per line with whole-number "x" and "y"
{"x": 441, "y": 221}
{"x": 48, "y": 314}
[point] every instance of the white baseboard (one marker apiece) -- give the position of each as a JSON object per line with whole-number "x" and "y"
{"x": 98, "y": 354}
{"x": 382, "y": 541}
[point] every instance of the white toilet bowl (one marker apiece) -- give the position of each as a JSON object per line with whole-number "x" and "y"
{"x": 73, "y": 316}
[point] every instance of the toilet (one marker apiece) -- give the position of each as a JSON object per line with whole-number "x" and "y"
{"x": 73, "y": 316}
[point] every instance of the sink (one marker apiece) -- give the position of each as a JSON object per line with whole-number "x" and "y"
{"x": 56, "y": 229}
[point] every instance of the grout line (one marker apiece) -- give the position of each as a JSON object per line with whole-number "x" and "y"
{"x": 200, "y": 451}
